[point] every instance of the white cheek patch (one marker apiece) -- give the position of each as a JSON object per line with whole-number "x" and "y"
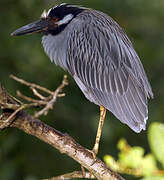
{"x": 65, "y": 20}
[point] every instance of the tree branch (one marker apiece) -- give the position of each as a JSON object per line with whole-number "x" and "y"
{"x": 14, "y": 116}
{"x": 75, "y": 174}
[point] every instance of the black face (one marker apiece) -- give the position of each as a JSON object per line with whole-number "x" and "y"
{"x": 64, "y": 9}
{"x": 52, "y": 22}
{"x": 60, "y": 13}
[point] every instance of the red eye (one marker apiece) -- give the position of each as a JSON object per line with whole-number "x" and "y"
{"x": 55, "y": 19}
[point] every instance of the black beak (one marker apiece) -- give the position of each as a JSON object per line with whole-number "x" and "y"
{"x": 37, "y": 26}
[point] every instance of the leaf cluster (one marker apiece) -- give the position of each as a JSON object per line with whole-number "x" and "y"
{"x": 131, "y": 160}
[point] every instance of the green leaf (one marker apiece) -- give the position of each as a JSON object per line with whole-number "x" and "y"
{"x": 110, "y": 161}
{"x": 156, "y": 140}
{"x": 122, "y": 145}
{"x": 129, "y": 156}
{"x": 133, "y": 158}
{"x": 148, "y": 165}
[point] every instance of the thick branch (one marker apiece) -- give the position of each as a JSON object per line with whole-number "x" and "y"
{"x": 63, "y": 142}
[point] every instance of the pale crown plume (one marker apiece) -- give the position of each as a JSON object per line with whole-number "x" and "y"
{"x": 45, "y": 13}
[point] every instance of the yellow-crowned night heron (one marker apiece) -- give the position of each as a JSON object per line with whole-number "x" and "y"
{"x": 95, "y": 50}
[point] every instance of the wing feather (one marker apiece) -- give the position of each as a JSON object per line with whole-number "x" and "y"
{"x": 107, "y": 65}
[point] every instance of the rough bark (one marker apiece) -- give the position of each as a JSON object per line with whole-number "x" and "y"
{"x": 63, "y": 142}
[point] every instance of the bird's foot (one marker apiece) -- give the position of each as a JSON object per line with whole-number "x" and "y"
{"x": 93, "y": 152}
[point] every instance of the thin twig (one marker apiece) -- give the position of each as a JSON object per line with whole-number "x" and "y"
{"x": 29, "y": 99}
{"x": 36, "y": 93}
{"x": 75, "y": 174}
{"x": 15, "y": 99}
{"x": 12, "y": 116}
{"x": 47, "y": 101}
{"x": 61, "y": 95}
{"x": 5, "y": 105}
{"x": 31, "y": 84}
{"x": 50, "y": 104}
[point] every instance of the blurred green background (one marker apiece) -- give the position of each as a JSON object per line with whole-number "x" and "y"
{"x": 25, "y": 157}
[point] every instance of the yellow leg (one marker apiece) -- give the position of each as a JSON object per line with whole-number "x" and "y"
{"x": 99, "y": 130}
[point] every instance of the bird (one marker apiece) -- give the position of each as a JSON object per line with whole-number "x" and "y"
{"x": 95, "y": 50}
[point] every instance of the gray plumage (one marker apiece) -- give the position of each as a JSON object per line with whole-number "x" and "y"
{"x": 94, "y": 49}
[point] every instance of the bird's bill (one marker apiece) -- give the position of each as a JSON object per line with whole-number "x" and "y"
{"x": 37, "y": 26}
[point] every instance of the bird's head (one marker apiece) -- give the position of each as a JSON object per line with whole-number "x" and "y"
{"x": 51, "y": 22}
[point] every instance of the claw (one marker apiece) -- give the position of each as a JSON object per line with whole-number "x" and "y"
{"x": 93, "y": 153}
